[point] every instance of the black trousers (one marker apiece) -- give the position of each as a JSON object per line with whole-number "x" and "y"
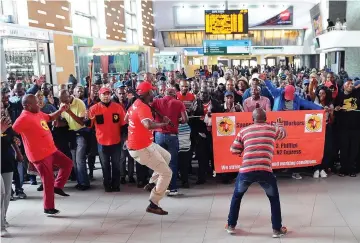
{"x": 327, "y": 161}
{"x": 142, "y": 173}
{"x": 204, "y": 155}
{"x": 349, "y": 149}
{"x": 184, "y": 161}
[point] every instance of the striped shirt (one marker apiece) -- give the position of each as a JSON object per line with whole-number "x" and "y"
{"x": 184, "y": 137}
{"x": 257, "y": 142}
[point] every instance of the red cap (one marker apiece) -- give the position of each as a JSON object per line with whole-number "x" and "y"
{"x": 103, "y": 90}
{"x": 144, "y": 87}
{"x": 289, "y": 92}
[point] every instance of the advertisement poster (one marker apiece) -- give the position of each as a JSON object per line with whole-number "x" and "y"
{"x": 285, "y": 17}
{"x": 317, "y": 25}
{"x": 303, "y": 146}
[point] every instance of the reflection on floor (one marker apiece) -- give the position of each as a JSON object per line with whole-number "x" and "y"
{"x": 320, "y": 211}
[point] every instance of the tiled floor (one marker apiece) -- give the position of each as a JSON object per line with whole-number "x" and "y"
{"x": 320, "y": 211}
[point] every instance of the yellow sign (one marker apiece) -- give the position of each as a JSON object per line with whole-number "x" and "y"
{"x": 225, "y": 126}
{"x": 222, "y": 22}
{"x": 313, "y": 122}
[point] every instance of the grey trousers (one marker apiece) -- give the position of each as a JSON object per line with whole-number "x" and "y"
{"x": 6, "y": 181}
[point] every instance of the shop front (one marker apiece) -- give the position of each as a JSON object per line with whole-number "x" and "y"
{"x": 112, "y": 58}
{"x": 25, "y": 52}
{"x": 82, "y": 50}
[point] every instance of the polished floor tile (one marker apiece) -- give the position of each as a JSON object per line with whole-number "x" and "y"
{"x": 315, "y": 211}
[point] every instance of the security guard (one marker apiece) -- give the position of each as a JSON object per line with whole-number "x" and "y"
{"x": 108, "y": 118}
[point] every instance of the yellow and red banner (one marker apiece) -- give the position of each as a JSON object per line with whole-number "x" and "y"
{"x": 303, "y": 146}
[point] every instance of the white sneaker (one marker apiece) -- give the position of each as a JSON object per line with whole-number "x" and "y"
{"x": 317, "y": 174}
{"x": 4, "y": 233}
{"x": 296, "y": 176}
{"x": 173, "y": 193}
{"x": 230, "y": 229}
{"x": 323, "y": 174}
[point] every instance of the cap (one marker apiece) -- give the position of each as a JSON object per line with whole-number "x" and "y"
{"x": 289, "y": 92}
{"x": 306, "y": 81}
{"x": 356, "y": 79}
{"x": 221, "y": 81}
{"x": 255, "y": 76}
{"x": 103, "y": 90}
{"x": 119, "y": 84}
{"x": 283, "y": 76}
{"x": 228, "y": 93}
{"x": 357, "y": 83}
{"x": 144, "y": 87}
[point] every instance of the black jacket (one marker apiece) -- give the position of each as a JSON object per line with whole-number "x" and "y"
{"x": 197, "y": 125}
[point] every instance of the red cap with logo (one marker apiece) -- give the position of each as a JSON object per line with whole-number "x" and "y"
{"x": 289, "y": 92}
{"x": 103, "y": 90}
{"x": 144, "y": 87}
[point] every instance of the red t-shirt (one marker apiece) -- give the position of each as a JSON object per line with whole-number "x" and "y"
{"x": 172, "y": 108}
{"x": 188, "y": 97}
{"x": 36, "y": 135}
{"x": 108, "y": 122}
{"x": 139, "y": 137}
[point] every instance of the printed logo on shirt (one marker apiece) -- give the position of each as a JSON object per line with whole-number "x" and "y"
{"x": 313, "y": 123}
{"x": 115, "y": 118}
{"x": 225, "y": 126}
{"x": 350, "y": 104}
{"x": 44, "y": 125}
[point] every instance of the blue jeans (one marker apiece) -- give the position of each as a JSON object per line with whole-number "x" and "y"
{"x": 170, "y": 142}
{"x": 110, "y": 164}
{"x": 268, "y": 182}
{"x": 79, "y": 160}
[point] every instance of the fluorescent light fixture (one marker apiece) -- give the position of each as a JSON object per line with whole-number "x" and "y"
{"x": 64, "y": 8}
{"x": 50, "y": 25}
{"x": 60, "y": 16}
{"x": 41, "y": 12}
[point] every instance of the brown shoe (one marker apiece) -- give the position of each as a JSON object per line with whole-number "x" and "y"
{"x": 158, "y": 211}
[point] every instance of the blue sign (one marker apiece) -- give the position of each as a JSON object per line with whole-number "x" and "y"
{"x": 226, "y": 47}
{"x": 198, "y": 51}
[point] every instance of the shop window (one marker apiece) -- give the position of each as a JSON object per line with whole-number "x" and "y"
{"x": 182, "y": 39}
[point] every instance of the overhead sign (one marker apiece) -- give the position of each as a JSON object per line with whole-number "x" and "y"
{"x": 23, "y": 32}
{"x": 222, "y": 22}
{"x": 193, "y": 51}
{"x": 226, "y": 47}
{"x": 82, "y": 41}
{"x": 285, "y": 17}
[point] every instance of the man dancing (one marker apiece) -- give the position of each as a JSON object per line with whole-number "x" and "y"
{"x": 257, "y": 142}
{"x": 41, "y": 151}
{"x": 142, "y": 148}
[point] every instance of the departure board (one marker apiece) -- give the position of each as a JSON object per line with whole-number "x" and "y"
{"x": 222, "y": 22}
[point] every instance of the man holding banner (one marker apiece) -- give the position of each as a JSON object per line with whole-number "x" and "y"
{"x": 257, "y": 142}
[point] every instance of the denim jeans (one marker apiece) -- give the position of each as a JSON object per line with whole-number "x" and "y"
{"x": 170, "y": 142}
{"x": 110, "y": 164}
{"x": 79, "y": 160}
{"x": 268, "y": 182}
{"x": 130, "y": 162}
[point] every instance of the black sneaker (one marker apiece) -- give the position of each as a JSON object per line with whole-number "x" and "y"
{"x": 21, "y": 195}
{"x": 116, "y": 189}
{"x": 149, "y": 187}
{"x": 140, "y": 184}
{"x": 132, "y": 180}
{"x": 51, "y": 212}
{"x": 108, "y": 189}
{"x": 40, "y": 188}
{"x": 33, "y": 183}
{"x": 185, "y": 185}
{"x": 82, "y": 187}
{"x": 122, "y": 181}
{"x": 60, "y": 192}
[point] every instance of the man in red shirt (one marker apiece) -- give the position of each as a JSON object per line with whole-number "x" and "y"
{"x": 41, "y": 151}
{"x": 167, "y": 137}
{"x": 108, "y": 118}
{"x": 144, "y": 150}
{"x": 184, "y": 95}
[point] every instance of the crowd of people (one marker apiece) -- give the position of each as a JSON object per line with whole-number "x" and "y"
{"x": 105, "y": 118}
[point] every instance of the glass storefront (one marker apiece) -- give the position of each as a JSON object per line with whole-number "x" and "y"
{"x": 271, "y": 37}
{"x": 167, "y": 62}
{"x": 25, "y": 58}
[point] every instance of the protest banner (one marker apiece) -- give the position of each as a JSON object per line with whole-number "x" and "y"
{"x": 303, "y": 146}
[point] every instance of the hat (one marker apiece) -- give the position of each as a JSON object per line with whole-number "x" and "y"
{"x": 144, "y": 87}
{"x": 283, "y": 76}
{"x": 119, "y": 85}
{"x": 228, "y": 93}
{"x": 306, "y": 81}
{"x": 356, "y": 79}
{"x": 289, "y": 93}
{"x": 104, "y": 90}
{"x": 357, "y": 83}
{"x": 221, "y": 81}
